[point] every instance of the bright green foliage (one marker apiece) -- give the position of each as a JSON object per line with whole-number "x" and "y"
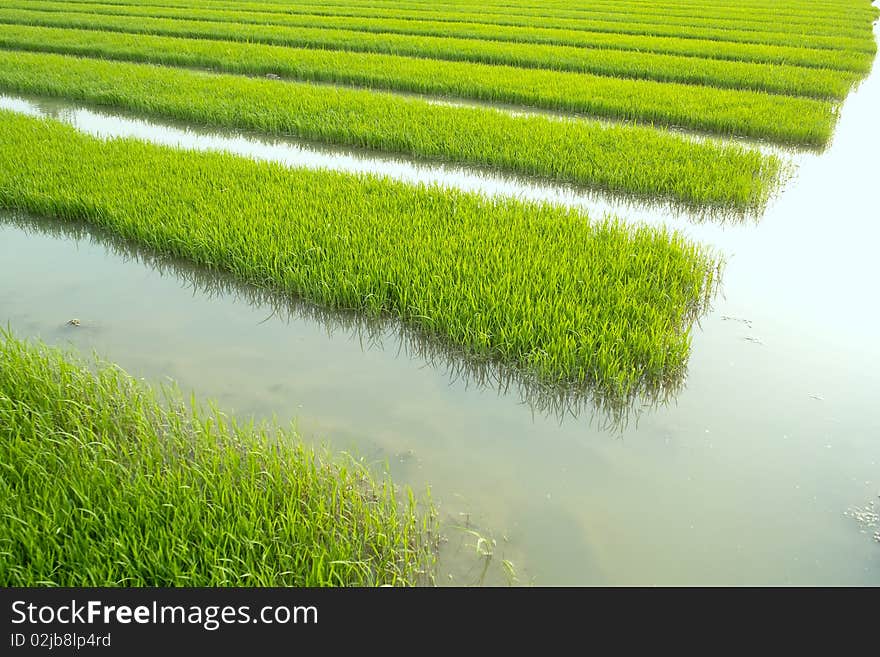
{"x": 581, "y": 152}
{"x": 531, "y": 25}
{"x": 778, "y": 118}
{"x": 855, "y": 39}
{"x": 106, "y": 483}
{"x": 577, "y": 53}
{"x": 463, "y": 79}
{"x": 528, "y": 33}
{"x": 539, "y": 288}
{"x": 730, "y": 73}
{"x": 831, "y": 12}
{"x": 760, "y": 15}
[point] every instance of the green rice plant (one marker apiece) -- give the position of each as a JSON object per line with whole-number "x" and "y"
{"x": 345, "y": 18}
{"x": 779, "y": 17}
{"x": 564, "y": 300}
{"x": 836, "y": 12}
{"x": 843, "y": 13}
{"x": 247, "y": 103}
{"x": 581, "y": 152}
{"x": 720, "y": 8}
{"x": 417, "y": 74}
{"x": 857, "y": 39}
{"x": 531, "y": 54}
{"x": 708, "y": 7}
{"x": 107, "y": 482}
{"x": 723, "y": 8}
{"x": 853, "y": 20}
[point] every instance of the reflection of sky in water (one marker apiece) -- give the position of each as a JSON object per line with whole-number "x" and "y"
{"x": 745, "y": 478}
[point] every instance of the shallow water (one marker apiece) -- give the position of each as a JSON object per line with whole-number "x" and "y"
{"x": 751, "y": 476}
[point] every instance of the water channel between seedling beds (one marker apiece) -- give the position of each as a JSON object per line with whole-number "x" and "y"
{"x": 753, "y": 473}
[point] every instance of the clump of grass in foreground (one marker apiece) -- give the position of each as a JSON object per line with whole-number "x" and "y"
{"x": 104, "y": 482}
{"x": 536, "y": 287}
{"x": 619, "y": 158}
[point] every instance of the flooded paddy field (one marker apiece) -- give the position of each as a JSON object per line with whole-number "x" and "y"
{"x": 745, "y": 476}
{"x": 761, "y": 467}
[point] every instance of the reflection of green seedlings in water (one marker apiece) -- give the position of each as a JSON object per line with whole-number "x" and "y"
{"x": 534, "y": 287}
{"x": 484, "y": 549}
{"x": 621, "y": 158}
{"x": 108, "y": 483}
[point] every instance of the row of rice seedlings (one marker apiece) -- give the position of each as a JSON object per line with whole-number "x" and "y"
{"x": 533, "y": 47}
{"x": 541, "y": 288}
{"x": 107, "y": 482}
{"x": 655, "y": 67}
{"x": 627, "y": 24}
{"x": 586, "y": 153}
{"x": 854, "y": 27}
{"x": 784, "y": 119}
{"x": 780, "y": 12}
{"x": 859, "y": 39}
{"x": 461, "y": 79}
{"x": 779, "y": 17}
{"x": 783, "y": 10}
{"x": 340, "y": 17}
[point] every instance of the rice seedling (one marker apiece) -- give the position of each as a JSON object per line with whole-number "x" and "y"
{"x": 408, "y": 23}
{"x": 857, "y": 38}
{"x": 775, "y": 18}
{"x": 464, "y": 79}
{"x": 580, "y": 152}
{"x": 537, "y": 287}
{"x": 784, "y": 119}
{"x": 833, "y": 13}
{"x": 532, "y": 54}
{"x": 526, "y": 31}
{"x": 107, "y": 482}
{"x": 777, "y": 14}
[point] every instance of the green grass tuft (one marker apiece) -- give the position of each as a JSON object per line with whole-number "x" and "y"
{"x": 106, "y": 482}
